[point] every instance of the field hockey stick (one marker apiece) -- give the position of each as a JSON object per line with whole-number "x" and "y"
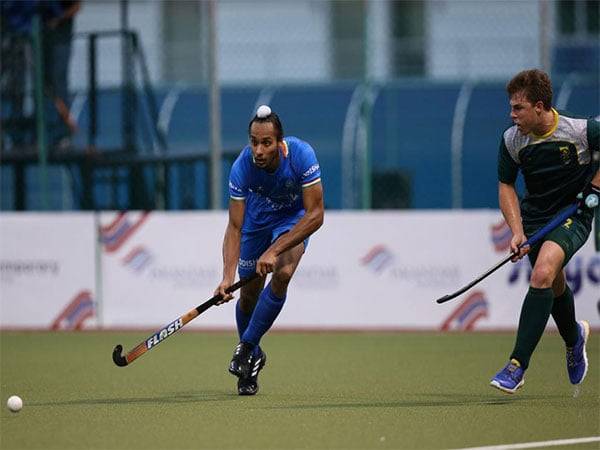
{"x": 562, "y": 217}
{"x": 170, "y": 329}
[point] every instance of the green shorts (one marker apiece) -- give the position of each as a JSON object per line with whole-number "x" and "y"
{"x": 571, "y": 236}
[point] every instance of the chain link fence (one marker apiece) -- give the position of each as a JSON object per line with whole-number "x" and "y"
{"x": 404, "y": 101}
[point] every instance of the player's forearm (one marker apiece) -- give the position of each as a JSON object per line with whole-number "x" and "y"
{"x": 231, "y": 251}
{"x": 509, "y": 205}
{"x": 310, "y": 222}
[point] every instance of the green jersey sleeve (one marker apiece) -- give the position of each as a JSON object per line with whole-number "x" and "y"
{"x": 508, "y": 169}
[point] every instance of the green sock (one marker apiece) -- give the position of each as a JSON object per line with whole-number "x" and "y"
{"x": 534, "y": 317}
{"x": 563, "y": 312}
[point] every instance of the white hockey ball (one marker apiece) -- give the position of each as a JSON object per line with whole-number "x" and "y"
{"x": 14, "y": 403}
{"x": 263, "y": 111}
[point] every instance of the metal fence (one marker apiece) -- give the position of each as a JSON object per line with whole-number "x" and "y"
{"x": 390, "y": 93}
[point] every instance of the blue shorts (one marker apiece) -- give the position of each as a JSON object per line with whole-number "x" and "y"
{"x": 255, "y": 242}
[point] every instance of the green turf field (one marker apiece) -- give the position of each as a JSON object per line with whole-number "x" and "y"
{"x": 330, "y": 390}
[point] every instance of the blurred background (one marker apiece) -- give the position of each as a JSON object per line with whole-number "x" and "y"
{"x": 118, "y": 105}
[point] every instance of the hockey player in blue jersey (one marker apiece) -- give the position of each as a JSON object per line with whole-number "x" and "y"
{"x": 276, "y": 203}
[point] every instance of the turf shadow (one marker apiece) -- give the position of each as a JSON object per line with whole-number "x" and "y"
{"x": 436, "y": 400}
{"x": 177, "y": 397}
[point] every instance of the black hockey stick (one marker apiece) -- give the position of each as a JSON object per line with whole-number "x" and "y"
{"x": 555, "y": 222}
{"x": 170, "y": 329}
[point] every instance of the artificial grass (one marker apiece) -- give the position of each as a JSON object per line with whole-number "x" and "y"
{"x": 318, "y": 390}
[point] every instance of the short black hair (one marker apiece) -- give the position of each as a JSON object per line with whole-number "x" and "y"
{"x": 274, "y": 119}
{"x": 535, "y": 85}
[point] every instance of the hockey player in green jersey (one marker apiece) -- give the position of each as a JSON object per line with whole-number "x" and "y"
{"x": 555, "y": 153}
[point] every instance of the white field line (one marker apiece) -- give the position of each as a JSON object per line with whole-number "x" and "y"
{"x": 537, "y": 444}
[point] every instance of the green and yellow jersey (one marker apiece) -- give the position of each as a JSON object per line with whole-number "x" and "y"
{"x": 555, "y": 166}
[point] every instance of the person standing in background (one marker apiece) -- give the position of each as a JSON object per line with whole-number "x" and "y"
{"x": 58, "y": 18}
{"x": 16, "y": 26}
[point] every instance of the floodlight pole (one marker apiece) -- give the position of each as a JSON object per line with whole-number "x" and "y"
{"x": 544, "y": 36}
{"x": 366, "y": 111}
{"x": 215, "y": 109}
{"x": 42, "y": 144}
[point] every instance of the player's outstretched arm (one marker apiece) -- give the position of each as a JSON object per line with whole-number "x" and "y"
{"x": 311, "y": 222}
{"x": 231, "y": 246}
{"x": 509, "y": 205}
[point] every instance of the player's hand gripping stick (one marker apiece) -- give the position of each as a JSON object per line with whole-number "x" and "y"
{"x": 534, "y": 239}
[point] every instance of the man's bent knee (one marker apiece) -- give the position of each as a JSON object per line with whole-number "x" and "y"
{"x": 542, "y": 276}
{"x": 282, "y": 276}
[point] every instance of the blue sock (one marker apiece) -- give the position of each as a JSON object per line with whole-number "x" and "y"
{"x": 266, "y": 311}
{"x": 242, "y": 319}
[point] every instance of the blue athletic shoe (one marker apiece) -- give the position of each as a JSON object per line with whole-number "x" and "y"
{"x": 577, "y": 362}
{"x": 510, "y": 378}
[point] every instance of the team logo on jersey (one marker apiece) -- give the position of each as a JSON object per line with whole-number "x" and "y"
{"x": 289, "y": 183}
{"x": 247, "y": 263}
{"x": 235, "y": 188}
{"x": 312, "y": 169}
{"x": 565, "y": 154}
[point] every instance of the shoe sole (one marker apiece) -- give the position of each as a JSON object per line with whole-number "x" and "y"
{"x": 497, "y": 385}
{"x": 240, "y": 392}
{"x": 237, "y": 373}
{"x": 586, "y": 334}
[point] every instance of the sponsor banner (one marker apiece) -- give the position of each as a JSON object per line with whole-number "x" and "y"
{"x": 157, "y": 266}
{"x": 361, "y": 270}
{"x": 369, "y": 270}
{"x": 385, "y": 269}
{"x": 507, "y": 290}
{"x": 47, "y": 271}
{"x": 76, "y": 314}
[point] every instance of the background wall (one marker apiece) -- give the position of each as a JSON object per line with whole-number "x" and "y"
{"x": 403, "y": 101}
{"x": 150, "y": 268}
{"x": 411, "y": 127}
{"x": 298, "y": 40}
{"x": 491, "y": 39}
